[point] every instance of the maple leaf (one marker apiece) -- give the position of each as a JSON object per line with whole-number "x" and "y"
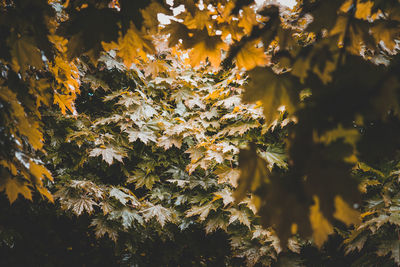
{"x": 155, "y": 67}
{"x": 248, "y": 20}
{"x": 127, "y": 99}
{"x": 89, "y": 187}
{"x": 161, "y": 213}
{"x": 215, "y": 155}
{"x": 226, "y": 196}
{"x": 199, "y": 21}
{"x": 240, "y": 216}
{"x": 168, "y": 141}
{"x": 131, "y": 46}
{"x": 275, "y": 157}
{"x": 102, "y": 228}
{"x": 195, "y": 101}
{"x": 144, "y": 135}
{"x": 210, "y": 114}
{"x": 143, "y": 111}
{"x": 39, "y": 171}
{"x": 176, "y": 31}
{"x": 239, "y": 128}
{"x": 229, "y": 102}
{"x": 127, "y": 217}
{"x": 227, "y": 174}
{"x": 140, "y": 178}
{"x": 64, "y": 102}
{"x": 273, "y": 90}
{"x": 123, "y": 197}
{"x": 215, "y": 223}
{"x": 46, "y": 193}
{"x": 80, "y": 205}
{"x": 251, "y": 56}
{"x": 324, "y": 15}
{"x": 202, "y": 211}
{"x": 13, "y": 187}
{"x": 108, "y": 153}
{"x": 24, "y": 53}
{"x": 206, "y": 47}
{"x": 231, "y": 30}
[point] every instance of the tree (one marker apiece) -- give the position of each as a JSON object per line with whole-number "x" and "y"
{"x": 332, "y": 65}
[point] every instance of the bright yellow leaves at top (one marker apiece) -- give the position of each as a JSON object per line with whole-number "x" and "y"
{"x": 132, "y": 46}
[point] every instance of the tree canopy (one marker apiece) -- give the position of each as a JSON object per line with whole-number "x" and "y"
{"x": 271, "y": 130}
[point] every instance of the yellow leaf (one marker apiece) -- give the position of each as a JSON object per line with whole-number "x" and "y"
{"x": 248, "y": 19}
{"x": 39, "y": 171}
{"x": 155, "y": 67}
{"x": 251, "y": 56}
{"x": 10, "y": 166}
{"x": 59, "y": 42}
{"x": 319, "y": 224}
{"x": 233, "y": 30}
{"x": 207, "y": 47}
{"x": 132, "y": 46}
{"x": 44, "y": 192}
{"x": 363, "y": 10}
{"x": 345, "y": 213}
{"x": 64, "y": 102}
{"x": 67, "y": 74}
{"x": 23, "y": 126}
{"x": 365, "y": 214}
{"x": 200, "y": 21}
{"x": 13, "y": 187}
{"x": 216, "y": 94}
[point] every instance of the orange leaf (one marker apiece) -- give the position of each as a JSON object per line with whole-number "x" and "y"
{"x": 13, "y": 187}
{"x": 251, "y": 56}
{"x": 64, "y": 102}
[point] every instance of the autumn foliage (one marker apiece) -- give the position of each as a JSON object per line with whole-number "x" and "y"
{"x": 273, "y": 130}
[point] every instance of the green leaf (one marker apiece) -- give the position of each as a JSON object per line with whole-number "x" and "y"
{"x": 162, "y": 214}
{"x": 108, "y": 153}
